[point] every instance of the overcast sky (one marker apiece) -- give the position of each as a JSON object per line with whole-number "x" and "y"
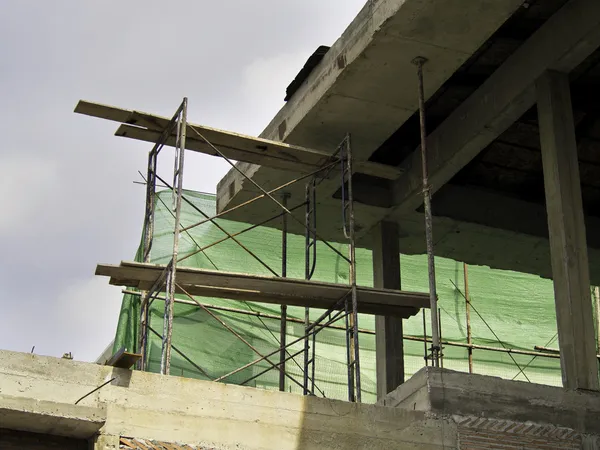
{"x": 68, "y": 198}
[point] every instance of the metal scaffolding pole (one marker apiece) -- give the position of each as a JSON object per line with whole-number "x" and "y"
{"x": 468, "y": 317}
{"x": 435, "y": 347}
{"x": 167, "y": 280}
{"x": 349, "y": 232}
{"x": 283, "y": 319}
{"x": 148, "y": 233}
{"x": 165, "y": 359}
{"x": 597, "y": 311}
{"x": 310, "y": 243}
{"x": 542, "y": 350}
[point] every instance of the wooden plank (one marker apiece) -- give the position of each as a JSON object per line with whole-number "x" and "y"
{"x": 279, "y": 155}
{"x": 287, "y": 291}
{"x": 123, "y": 359}
{"x": 104, "y": 112}
{"x": 254, "y": 157}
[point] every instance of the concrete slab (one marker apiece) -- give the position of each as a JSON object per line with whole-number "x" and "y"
{"x": 366, "y": 85}
{"x": 48, "y": 417}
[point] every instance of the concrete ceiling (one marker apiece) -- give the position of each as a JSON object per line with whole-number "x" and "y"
{"x": 483, "y": 141}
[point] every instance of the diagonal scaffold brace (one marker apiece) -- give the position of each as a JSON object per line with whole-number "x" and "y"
{"x": 166, "y": 283}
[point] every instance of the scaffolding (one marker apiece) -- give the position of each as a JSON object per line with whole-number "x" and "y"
{"x": 339, "y": 304}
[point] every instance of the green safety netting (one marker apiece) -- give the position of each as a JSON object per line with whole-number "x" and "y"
{"x": 518, "y": 307}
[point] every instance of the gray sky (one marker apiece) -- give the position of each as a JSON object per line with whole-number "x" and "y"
{"x": 68, "y": 197}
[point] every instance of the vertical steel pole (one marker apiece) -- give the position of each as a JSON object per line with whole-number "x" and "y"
{"x": 146, "y": 247}
{"x": 349, "y": 354}
{"x": 307, "y": 276}
{"x": 440, "y": 333}
{"x": 314, "y": 360}
{"x": 597, "y": 311}
{"x": 468, "y": 314}
{"x": 425, "y": 352}
{"x": 435, "y": 338}
{"x": 283, "y": 321}
{"x": 352, "y": 271}
{"x": 165, "y": 360}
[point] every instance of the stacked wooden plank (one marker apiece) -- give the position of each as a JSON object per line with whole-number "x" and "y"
{"x": 286, "y": 291}
{"x": 278, "y": 155}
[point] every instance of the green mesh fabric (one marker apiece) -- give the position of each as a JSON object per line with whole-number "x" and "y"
{"x": 518, "y": 307}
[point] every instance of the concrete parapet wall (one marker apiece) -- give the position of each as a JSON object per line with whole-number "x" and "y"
{"x": 217, "y": 415}
{"x": 446, "y": 392}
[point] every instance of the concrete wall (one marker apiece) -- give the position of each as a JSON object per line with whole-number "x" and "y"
{"x": 494, "y": 413}
{"x": 214, "y": 415}
{"x": 435, "y": 409}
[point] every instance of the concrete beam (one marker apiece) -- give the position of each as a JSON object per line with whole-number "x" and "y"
{"x": 497, "y": 210}
{"x": 389, "y": 346}
{"x": 568, "y": 247}
{"x": 566, "y": 39}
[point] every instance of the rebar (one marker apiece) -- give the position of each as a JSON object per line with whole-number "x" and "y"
{"x": 521, "y": 370}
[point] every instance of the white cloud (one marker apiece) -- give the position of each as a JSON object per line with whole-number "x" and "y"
{"x": 87, "y": 311}
{"x": 68, "y": 201}
{"x": 26, "y": 184}
{"x": 265, "y": 80}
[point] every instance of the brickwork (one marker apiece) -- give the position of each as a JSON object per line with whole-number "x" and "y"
{"x": 146, "y": 444}
{"x": 476, "y": 433}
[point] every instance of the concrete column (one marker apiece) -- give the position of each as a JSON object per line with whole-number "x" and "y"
{"x": 388, "y": 330}
{"x": 568, "y": 247}
{"x": 105, "y": 442}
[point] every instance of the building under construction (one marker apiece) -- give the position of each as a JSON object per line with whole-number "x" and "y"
{"x": 405, "y": 258}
